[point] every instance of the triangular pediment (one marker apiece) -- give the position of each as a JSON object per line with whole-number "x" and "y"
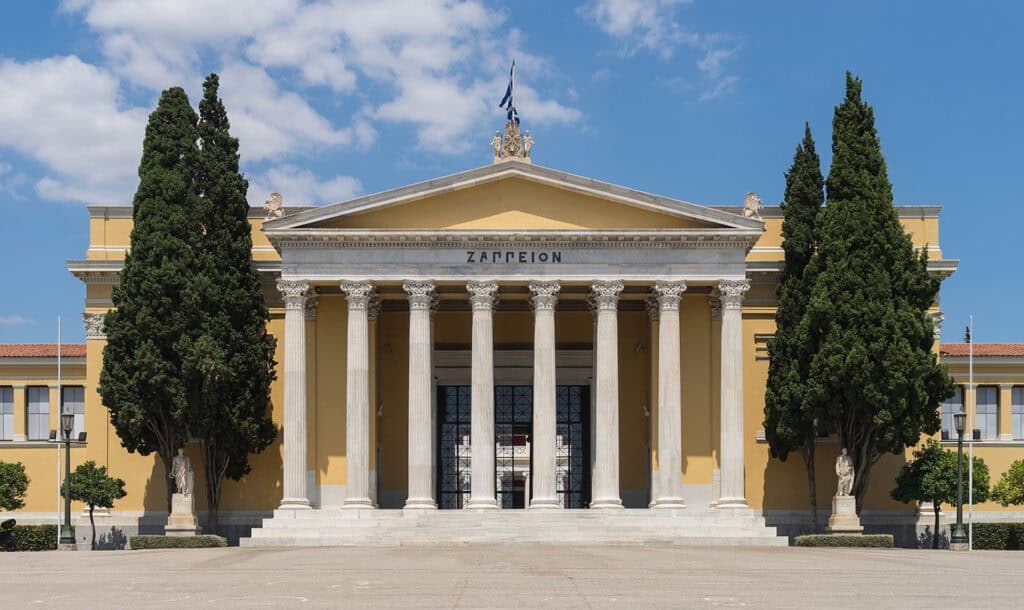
{"x": 513, "y": 196}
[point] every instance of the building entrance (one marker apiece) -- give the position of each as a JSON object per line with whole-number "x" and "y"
{"x": 513, "y": 454}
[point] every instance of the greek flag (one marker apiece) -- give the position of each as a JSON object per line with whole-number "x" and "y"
{"x": 507, "y": 102}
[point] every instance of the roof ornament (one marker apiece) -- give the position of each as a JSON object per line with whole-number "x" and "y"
{"x": 752, "y": 206}
{"x": 275, "y": 206}
{"x": 513, "y": 145}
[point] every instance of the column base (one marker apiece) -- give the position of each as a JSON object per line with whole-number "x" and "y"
{"x": 420, "y": 504}
{"x": 294, "y": 504}
{"x": 358, "y": 503}
{"x": 666, "y": 503}
{"x": 606, "y": 503}
{"x": 482, "y": 504}
{"x": 732, "y": 503}
{"x": 545, "y": 504}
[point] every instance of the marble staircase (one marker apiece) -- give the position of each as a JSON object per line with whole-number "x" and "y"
{"x": 339, "y": 527}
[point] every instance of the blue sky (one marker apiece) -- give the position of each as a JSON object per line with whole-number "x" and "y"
{"x": 697, "y": 100}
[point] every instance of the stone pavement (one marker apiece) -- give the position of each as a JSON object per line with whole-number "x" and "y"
{"x": 513, "y": 576}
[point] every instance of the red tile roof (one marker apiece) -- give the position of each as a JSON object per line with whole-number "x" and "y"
{"x": 41, "y": 350}
{"x": 982, "y": 349}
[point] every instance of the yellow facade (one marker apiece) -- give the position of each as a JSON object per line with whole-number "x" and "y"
{"x": 506, "y": 204}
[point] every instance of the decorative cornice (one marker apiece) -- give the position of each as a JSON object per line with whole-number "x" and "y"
{"x": 358, "y": 294}
{"x": 482, "y": 294}
{"x": 421, "y": 294}
{"x": 293, "y": 293}
{"x": 606, "y": 294}
{"x": 732, "y": 292}
{"x": 544, "y": 295}
{"x": 565, "y": 239}
{"x": 94, "y": 325}
{"x": 668, "y": 294}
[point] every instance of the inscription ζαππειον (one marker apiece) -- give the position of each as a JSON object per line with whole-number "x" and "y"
{"x": 509, "y": 257}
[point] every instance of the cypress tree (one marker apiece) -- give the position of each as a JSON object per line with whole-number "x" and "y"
{"x": 872, "y": 373}
{"x": 789, "y": 420}
{"x": 230, "y": 364}
{"x": 155, "y": 312}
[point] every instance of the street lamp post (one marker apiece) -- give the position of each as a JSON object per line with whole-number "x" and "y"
{"x": 959, "y": 535}
{"x": 67, "y": 424}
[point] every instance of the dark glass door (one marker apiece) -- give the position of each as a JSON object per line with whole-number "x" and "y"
{"x": 454, "y": 458}
{"x": 572, "y": 456}
{"x": 513, "y": 428}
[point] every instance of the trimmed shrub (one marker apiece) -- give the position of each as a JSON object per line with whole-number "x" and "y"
{"x": 874, "y": 541}
{"x": 36, "y": 537}
{"x": 138, "y": 543}
{"x": 999, "y": 536}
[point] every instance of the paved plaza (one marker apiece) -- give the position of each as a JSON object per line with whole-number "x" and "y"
{"x": 511, "y": 576}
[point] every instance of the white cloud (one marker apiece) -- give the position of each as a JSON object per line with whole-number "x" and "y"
{"x": 299, "y": 186}
{"x": 14, "y": 320}
{"x": 66, "y": 114}
{"x": 652, "y": 25}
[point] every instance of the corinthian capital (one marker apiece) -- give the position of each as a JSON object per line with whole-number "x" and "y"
{"x": 94, "y": 325}
{"x": 544, "y": 295}
{"x": 605, "y": 294}
{"x": 731, "y": 293}
{"x": 668, "y": 294}
{"x": 293, "y": 293}
{"x": 482, "y": 294}
{"x": 359, "y": 294}
{"x": 421, "y": 294}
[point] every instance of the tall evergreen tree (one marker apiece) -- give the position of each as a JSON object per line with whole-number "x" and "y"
{"x": 230, "y": 364}
{"x": 789, "y": 420}
{"x": 872, "y": 374}
{"x": 155, "y": 312}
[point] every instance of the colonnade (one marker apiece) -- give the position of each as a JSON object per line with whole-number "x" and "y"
{"x": 422, "y": 419}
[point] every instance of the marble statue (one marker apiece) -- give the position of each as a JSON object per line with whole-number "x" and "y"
{"x": 496, "y": 144}
{"x": 752, "y": 206}
{"x": 844, "y": 469}
{"x": 181, "y": 472}
{"x": 527, "y": 144}
{"x": 275, "y": 206}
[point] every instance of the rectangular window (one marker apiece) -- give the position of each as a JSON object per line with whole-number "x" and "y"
{"x": 952, "y": 405}
{"x": 6, "y": 413}
{"x": 73, "y": 401}
{"x": 38, "y": 412}
{"x": 987, "y": 419}
{"x": 1017, "y": 400}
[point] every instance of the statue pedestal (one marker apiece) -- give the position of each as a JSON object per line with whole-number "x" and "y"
{"x": 182, "y": 520}
{"x": 844, "y": 519}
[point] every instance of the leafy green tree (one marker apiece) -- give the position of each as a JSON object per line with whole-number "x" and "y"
{"x": 155, "y": 311}
{"x": 967, "y": 334}
{"x": 91, "y": 485}
{"x": 1010, "y": 488}
{"x": 13, "y": 485}
{"x": 872, "y": 374}
{"x": 789, "y": 420}
{"x": 931, "y": 477}
{"x": 229, "y": 363}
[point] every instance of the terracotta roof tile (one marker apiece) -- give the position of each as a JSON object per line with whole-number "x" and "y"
{"x": 982, "y": 349}
{"x": 41, "y": 350}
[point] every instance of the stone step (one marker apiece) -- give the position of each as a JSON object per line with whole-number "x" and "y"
{"x": 714, "y": 540}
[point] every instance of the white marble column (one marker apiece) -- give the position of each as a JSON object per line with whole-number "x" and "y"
{"x": 421, "y": 397}
{"x": 606, "y": 467}
{"x": 731, "y": 451}
{"x": 670, "y": 445}
{"x": 545, "y": 490}
{"x": 357, "y": 396}
{"x": 294, "y": 295}
{"x": 481, "y": 295}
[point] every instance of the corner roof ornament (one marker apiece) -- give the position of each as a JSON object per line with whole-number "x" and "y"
{"x": 513, "y": 145}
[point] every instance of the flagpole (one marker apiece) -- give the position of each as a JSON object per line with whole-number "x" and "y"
{"x": 970, "y": 446}
{"x": 59, "y": 401}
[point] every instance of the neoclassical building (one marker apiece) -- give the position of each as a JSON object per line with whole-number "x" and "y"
{"x": 508, "y": 352}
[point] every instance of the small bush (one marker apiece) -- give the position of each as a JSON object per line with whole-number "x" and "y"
{"x": 138, "y": 543}
{"x": 36, "y": 537}
{"x": 875, "y": 541}
{"x": 999, "y": 536}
